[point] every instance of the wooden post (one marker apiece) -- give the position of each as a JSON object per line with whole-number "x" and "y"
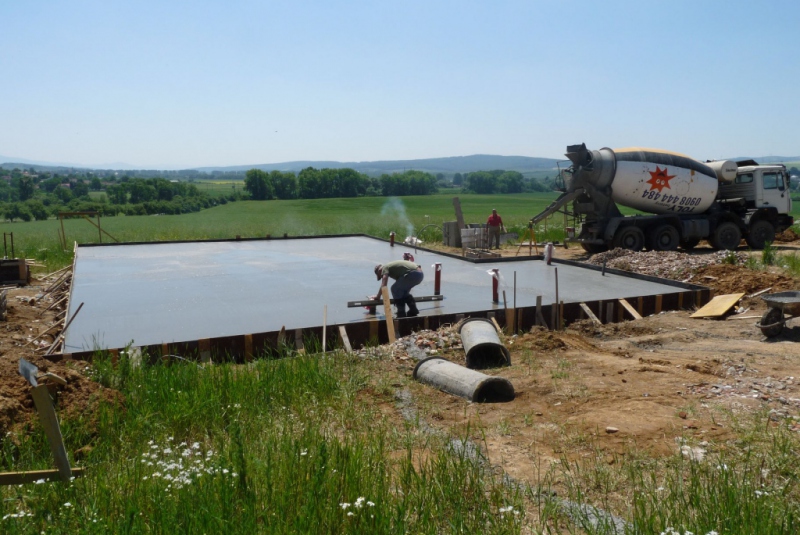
{"x": 324, "y": 327}
{"x": 640, "y": 306}
{"x": 589, "y": 313}
{"x": 680, "y": 301}
{"x": 561, "y": 316}
{"x": 204, "y": 346}
{"x": 659, "y": 300}
{"x": 44, "y": 406}
{"x": 387, "y": 309}
{"x": 248, "y": 347}
{"x": 345, "y": 339}
{"x": 373, "y": 330}
{"x": 539, "y": 316}
{"x": 459, "y": 215}
{"x": 632, "y": 311}
{"x": 610, "y": 312}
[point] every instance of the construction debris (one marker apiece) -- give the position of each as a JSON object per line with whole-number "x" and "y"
{"x": 666, "y": 264}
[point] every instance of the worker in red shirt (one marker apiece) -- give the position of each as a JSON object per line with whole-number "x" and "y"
{"x": 495, "y": 223}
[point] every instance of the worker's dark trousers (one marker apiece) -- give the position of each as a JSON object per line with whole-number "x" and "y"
{"x": 494, "y": 236}
{"x": 402, "y": 288}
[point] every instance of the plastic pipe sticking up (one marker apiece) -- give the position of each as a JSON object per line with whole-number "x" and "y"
{"x": 459, "y": 381}
{"x": 437, "y": 280}
{"x": 391, "y": 239}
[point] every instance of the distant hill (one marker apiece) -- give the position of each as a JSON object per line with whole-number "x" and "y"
{"x": 447, "y": 165}
{"x": 452, "y": 164}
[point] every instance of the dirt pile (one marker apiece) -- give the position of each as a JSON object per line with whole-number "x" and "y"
{"x": 666, "y": 264}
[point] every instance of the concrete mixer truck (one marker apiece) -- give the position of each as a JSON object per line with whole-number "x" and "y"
{"x": 681, "y": 200}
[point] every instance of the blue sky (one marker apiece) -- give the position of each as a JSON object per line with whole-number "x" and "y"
{"x": 183, "y": 84}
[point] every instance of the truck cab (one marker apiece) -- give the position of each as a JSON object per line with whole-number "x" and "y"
{"x": 760, "y": 186}
{"x": 762, "y": 191}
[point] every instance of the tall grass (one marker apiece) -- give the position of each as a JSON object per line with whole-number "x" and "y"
{"x": 278, "y": 446}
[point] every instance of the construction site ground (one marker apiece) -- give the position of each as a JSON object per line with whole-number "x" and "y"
{"x": 642, "y": 384}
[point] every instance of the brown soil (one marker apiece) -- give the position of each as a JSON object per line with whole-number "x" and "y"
{"x": 641, "y": 385}
{"x": 27, "y": 318}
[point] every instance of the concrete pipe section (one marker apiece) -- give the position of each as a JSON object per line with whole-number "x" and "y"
{"x": 482, "y": 344}
{"x": 460, "y": 381}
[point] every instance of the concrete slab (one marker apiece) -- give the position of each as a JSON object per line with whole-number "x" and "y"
{"x": 154, "y": 293}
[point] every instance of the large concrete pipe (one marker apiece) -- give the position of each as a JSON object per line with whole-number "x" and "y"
{"x": 460, "y": 381}
{"x": 483, "y": 347}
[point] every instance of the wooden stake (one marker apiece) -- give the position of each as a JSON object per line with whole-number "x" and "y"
{"x": 248, "y": 347}
{"x": 298, "y": 341}
{"x": 630, "y": 309}
{"x": 610, "y": 312}
{"x": 539, "y": 317}
{"x": 20, "y": 478}
{"x": 345, "y": 339}
{"x": 387, "y": 309}
{"x": 47, "y": 415}
{"x": 659, "y": 300}
{"x": 324, "y": 327}
{"x": 590, "y": 314}
{"x": 204, "y": 345}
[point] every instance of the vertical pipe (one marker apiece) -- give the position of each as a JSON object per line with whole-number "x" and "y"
{"x": 515, "y": 303}
{"x": 437, "y": 278}
{"x": 556, "y": 326}
{"x": 391, "y": 239}
{"x": 495, "y": 277}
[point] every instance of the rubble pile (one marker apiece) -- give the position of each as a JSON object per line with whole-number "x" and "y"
{"x": 766, "y": 389}
{"x": 666, "y": 264}
{"x": 422, "y": 344}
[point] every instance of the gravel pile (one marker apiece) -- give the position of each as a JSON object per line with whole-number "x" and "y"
{"x": 666, "y": 264}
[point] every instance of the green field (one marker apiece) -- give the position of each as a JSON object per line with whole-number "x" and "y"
{"x": 376, "y": 216}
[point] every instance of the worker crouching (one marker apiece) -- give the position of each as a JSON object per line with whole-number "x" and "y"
{"x": 406, "y": 275}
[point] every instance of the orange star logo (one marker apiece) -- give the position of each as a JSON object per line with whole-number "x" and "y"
{"x": 659, "y": 179}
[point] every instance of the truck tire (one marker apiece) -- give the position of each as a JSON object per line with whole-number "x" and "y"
{"x": 594, "y": 248}
{"x": 689, "y": 243}
{"x": 663, "y": 238}
{"x": 629, "y": 238}
{"x": 726, "y": 236}
{"x": 761, "y": 233}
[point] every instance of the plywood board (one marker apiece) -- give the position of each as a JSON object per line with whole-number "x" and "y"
{"x": 718, "y": 306}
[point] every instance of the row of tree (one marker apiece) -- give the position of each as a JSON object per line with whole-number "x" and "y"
{"x": 313, "y": 183}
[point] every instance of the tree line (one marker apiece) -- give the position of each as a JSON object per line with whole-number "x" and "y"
{"x": 25, "y": 195}
{"x": 313, "y": 183}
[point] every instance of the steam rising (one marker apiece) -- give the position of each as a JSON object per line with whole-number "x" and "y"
{"x": 394, "y": 208}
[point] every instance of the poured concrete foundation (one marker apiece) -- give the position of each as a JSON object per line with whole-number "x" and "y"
{"x": 164, "y": 293}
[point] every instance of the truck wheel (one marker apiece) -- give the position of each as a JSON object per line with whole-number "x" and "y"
{"x": 663, "y": 238}
{"x": 690, "y": 243}
{"x": 726, "y": 236}
{"x": 629, "y": 238}
{"x": 761, "y": 233}
{"x": 594, "y": 248}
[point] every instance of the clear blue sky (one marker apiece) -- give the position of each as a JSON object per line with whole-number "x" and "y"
{"x": 169, "y": 84}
